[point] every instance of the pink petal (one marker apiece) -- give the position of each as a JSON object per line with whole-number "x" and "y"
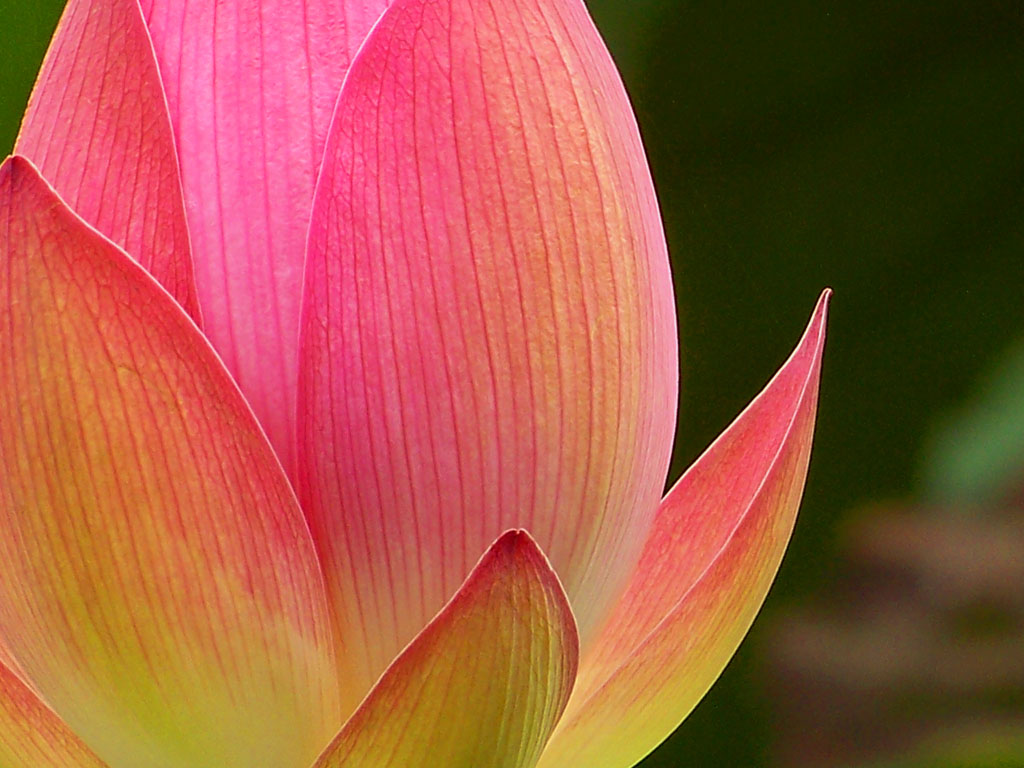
{"x": 97, "y": 128}
{"x": 32, "y": 736}
{"x": 251, "y": 86}
{"x": 489, "y": 332}
{"x": 483, "y": 684}
{"x": 716, "y": 544}
{"x": 159, "y": 587}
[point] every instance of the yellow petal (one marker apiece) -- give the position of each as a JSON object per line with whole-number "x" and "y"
{"x": 32, "y": 736}
{"x": 483, "y": 685}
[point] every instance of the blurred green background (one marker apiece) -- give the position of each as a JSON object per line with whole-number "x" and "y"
{"x": 874, "y": 147}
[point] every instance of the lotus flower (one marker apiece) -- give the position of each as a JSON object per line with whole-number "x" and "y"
{"x": 333, "y": 427}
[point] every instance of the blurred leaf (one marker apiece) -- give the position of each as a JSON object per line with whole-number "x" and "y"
{"x": 978, "y": 454}
{"x": 985, "y": 749}
{"x": 913, "y": 650}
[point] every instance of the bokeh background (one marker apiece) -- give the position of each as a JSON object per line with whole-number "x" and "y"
{"x": 877, "y": 148}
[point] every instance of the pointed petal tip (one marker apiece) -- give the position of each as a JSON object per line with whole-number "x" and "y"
{"x": 511, "y": 547}
{"x": 514, "y": 537}
{"x": 516, "y": 548}
{"x": 513, "y": 542}
{"x": 808, "y": 353}
{"x": 819, "y": 318}
{"x": 516, "y": 545}
{"x": 15, "y": 165}
{"x": 18, "y": 175}
{"x": 519, "y": 544}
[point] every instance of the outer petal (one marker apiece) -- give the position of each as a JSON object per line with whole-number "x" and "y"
{"x": 251, "y": 86}
{"x": 489, "y": 333}
{"x": 98, "y": 129}
{"x": 711, "y": 556}
{"x": 483, "y": 684}
{"x": 159, "y": 586}
{"x": 32, "y": 736}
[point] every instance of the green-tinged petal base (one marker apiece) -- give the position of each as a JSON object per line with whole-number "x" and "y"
{"x": 483, "y": 685}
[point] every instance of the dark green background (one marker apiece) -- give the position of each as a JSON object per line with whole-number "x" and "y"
{"x": 874, "y": 147}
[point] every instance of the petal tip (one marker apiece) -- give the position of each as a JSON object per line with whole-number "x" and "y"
{"x": 15, "y": 165}
{"x": 813, "y": 339}
{"x": 515, "y": 541}
{"x": 820, "y": 315}
{"x": 517, "y": 545}
{"x": 515, "y": 548}
{"x": 18, "y": 172}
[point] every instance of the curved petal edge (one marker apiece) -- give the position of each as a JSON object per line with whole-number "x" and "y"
{"x": 489, "y": 335}
{"x": 483, "y": 684}
{"x": 717, "y": 542}
{"x": 31, "y": 735}
{"x": 251, "y": 86}
{"x": 98, "y": 129}
{"x": 160, "y": 589}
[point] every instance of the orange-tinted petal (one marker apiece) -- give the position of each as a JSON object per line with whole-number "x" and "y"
{"x": 159, "y": 587}
{"x": 716, "y": 544}
{"x": 8, "y": 661}
{"x": 32, "y": 736}
{"x": 97, "y": 127}
{"x": 489, "y": 332}
{"x": 483, "y": 684}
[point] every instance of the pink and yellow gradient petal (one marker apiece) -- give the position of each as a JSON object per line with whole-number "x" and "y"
{"x": 160, "y": 589}
{"x": 32, "y": 736}
{"x": 716, "y": 544}
{"x": 489, "y": 335}
{"x": 483, "y": 684}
